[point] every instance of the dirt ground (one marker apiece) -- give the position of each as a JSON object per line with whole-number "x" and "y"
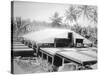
{"x": 24, "y": 67}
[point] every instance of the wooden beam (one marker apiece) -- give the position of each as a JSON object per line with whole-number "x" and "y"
{"x": 63, "y": 61}
{"x": 52, "y": 60}
{"x": 47, "y": 58}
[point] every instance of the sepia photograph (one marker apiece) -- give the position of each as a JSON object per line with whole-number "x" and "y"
{"x": 53, "y": 37}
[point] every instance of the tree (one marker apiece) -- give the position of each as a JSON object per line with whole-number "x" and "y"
{"x": 77, "y": 28}
{"x": 94, "y": 16}
{"x": 19, "y": 26}
{"x": 56, "y": 20}
{"x": 86, "y": 11}
{"x": 71, "y": 14}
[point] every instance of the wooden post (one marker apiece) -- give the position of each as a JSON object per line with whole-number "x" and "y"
{"x": 24, "y": 41}
{"x": 42, "y": 55}
{"x": 37, "y": 50}
{"x": 62, "y": 61}
{"x": 27, "y": 42}
{"x": 76, "y": 67}
{"x": 52, "y": 60}
{"x": 32, "y": 44}
{"x": 54, "y": 43}
{"x": 41, "y": 61}
{"x": 47, "y": 58}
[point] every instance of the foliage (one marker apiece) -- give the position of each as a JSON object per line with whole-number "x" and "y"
{"x": 70, "y": 14}
{"x": 20, "y": 26}
{"x": 89, "y": 12}
{"x": 56, "y": 20}
{"x": 77, "y": 28}
{"x": 85, "y": 10}
{"x": 94, "y": 16}
{"x": 87, "y": 32}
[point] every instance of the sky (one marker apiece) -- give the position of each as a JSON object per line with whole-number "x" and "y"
{"x": 42, "y": 11}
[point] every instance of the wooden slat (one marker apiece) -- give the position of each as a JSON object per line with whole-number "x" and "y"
{"x": 75, "y": 56}
{"x": 23, "y": 49}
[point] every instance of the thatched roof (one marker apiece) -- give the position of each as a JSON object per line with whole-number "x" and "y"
{"x": 48, "y": 35}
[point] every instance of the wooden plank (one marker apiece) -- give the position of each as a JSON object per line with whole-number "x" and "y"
{"x": 51, "y": 51}
{"x": 23, "y": 49}
{"x": 77, "y": 57}
{"x": 14, "y": 47}
{"x": 89, "y": 53}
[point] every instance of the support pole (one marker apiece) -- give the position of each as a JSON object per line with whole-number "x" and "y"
{"x": 62, "y": 61}
{"x": 52, "y": 60}
{"x": 47, "y": 58}
{"x": 55, "y": 45}
{"x": 42, "y": 55}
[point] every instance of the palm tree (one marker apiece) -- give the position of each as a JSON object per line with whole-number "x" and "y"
{"x": 70, "y": 14}
{"x": 94, "y": 16}
{"x": 56, "y": 19}
{"x": 21, "y": 25}
{"x": 86, "y": 11}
